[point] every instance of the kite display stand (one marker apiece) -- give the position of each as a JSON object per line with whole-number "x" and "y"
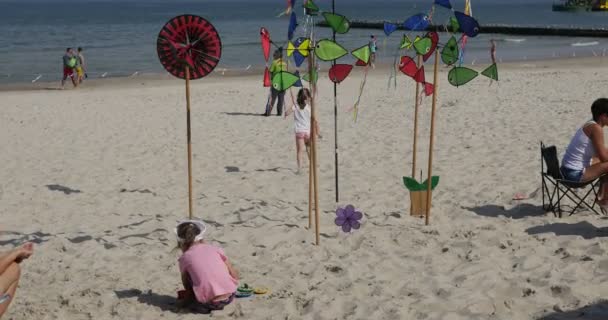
{"x": 415, "y": 210}
{"x": 313, "y": 146}
{"x": 189, "y": 48}
{"x": 189, "y": 134}
{"x": 430, "y": 174}
{"x": 333, "y": 11}
{"x": 418, "y": 201}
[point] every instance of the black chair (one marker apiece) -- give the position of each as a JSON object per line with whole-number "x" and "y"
{"x": 555, "y": 187}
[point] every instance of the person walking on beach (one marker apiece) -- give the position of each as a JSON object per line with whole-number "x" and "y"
{"x": 301, "y": 116}
{"x": 278, "y": 65}
{"x": 69, "y": 63}
{"x": 587, "y": 144}
{"x": 10, "y": 271}
{"x": 373, "y": 47}
{"x": 81, "y": 68}
{"x": 208, "y": 277}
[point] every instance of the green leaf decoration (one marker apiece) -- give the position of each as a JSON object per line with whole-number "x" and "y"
{"x": 362, "y": 53}
{"x": 315, "y": 76}
{"x": 459, "y": 76}
{"x": 449, "y": 54}
{"x": 338, "y": 23}
{"x": 406, "y": 43}
{"x": 454, "y": 24}
{"x": 491, "y": 72}
{"x": 328, "y": 50}
{"x": 423, "y": 46}
{"x": 434, "y": 183}
{"x": 412, "y": 185}
{"x": 284, "y": 80}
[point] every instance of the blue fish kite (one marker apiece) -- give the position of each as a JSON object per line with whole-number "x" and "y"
{"x": 444, "y": 3}
{"x": 293, "y": 24}
{"x": 299, "y": 82}
{"x": 468, "y": 25}
{"x": 298, "y": 58}
{"x": 417, "y": 22}
{"x": 389, "y": 28}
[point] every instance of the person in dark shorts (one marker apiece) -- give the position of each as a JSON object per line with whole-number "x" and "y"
{"x": 277, "y": 66}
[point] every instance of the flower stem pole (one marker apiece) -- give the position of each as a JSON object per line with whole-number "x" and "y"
{"x": 414, "y": 148}
{"x": 333, "y": 10}
{"x": 189, "y": 135}
{"x": 430, "y": 174}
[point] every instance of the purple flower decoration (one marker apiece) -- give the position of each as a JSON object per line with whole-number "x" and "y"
{"x": 348, "y": 218}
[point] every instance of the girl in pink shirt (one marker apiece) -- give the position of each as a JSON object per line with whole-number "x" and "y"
{"x": 207, "y": 275}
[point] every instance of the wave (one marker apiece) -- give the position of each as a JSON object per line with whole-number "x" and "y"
{"x": 514, "y": 40}
{"x": 585, "y": 44}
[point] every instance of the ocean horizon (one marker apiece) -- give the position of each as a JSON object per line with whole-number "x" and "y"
{"x": 119, "y": 37}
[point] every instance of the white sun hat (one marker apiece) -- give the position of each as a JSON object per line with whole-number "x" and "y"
{"x": 201, "y": 226}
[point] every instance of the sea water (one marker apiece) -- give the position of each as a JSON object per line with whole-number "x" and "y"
{"x": 119, "y": 36}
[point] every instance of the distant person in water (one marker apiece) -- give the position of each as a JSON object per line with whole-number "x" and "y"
{"x": 373, "y": 47}
{"x": 493, "y": 50}
{"x": 69, "y": 65}
{"x": 81, "y": 68}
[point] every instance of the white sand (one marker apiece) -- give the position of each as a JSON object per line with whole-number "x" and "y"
{"x": 106, "y": 254}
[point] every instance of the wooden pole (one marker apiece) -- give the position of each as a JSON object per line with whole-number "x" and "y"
{"x": 313, "y": 144}
{"x": 429, "y": 189}
{"x": 414, "y": 148}
{"x": 310, "y": 188}
{"x": 189, "y": 142}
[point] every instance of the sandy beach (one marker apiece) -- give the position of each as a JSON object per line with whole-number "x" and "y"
{"x": 97, "y": 178}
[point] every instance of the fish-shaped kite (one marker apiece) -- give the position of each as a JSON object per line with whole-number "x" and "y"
{"x": 328, "y": 50}
{"x": 284, "y": 80}
{"x": 468, "y": 25}
{"x": 339, "y": 72}
{"x": 293, "y": 24}
{"x": 337, "y": 22}
{"x": 265, "y": 39}
{"x": 389, "y": 28}
{"x": 362, "y": 53}
{"x": 418, "y": 22}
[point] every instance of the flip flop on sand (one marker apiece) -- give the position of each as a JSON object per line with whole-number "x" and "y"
{"x": 261, "y": 290}
{"x": 244, "y": 291}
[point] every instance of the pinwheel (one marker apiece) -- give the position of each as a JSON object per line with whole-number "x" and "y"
{"x": 189, "y": 47}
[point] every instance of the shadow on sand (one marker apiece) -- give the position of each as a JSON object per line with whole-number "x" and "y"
{"x": 163, "y": 302}
{"x": 595, "y": 311}
{"x": 518, "y": 212}
{"x": 583, "y": 229}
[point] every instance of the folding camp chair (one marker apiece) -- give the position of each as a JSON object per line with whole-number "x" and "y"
{"x": 555, "y": 187}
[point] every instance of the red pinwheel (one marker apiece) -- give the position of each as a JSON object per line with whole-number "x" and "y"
{"x": 192, "y": 41}
{"x": 189, "y": 47}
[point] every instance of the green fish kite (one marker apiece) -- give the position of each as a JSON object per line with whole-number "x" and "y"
{"x": 284, "y": 80}
{"x": 328, "y": 50}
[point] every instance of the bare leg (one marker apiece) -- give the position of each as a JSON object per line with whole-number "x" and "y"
{"x": 299, "y": 147}
{"x": 8, "y": 284}
{"x": 594, "y": 171}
